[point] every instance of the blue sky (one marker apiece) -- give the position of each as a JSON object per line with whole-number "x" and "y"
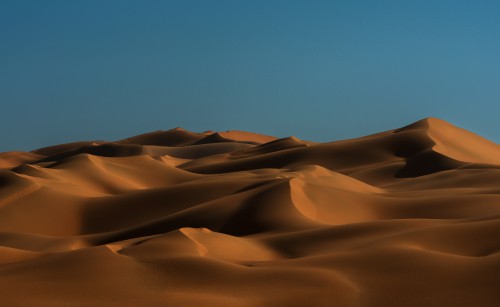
{"x": 319, "y": 70}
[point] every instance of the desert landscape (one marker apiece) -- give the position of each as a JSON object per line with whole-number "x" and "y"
{"x": 406, "y": 217}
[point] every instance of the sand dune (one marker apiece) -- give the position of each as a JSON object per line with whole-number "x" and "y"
{"x": 406, "y": 217}
{"x": 15, "y": 158}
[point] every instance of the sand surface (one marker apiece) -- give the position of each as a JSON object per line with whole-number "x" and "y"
{"x": 407, "y": 217}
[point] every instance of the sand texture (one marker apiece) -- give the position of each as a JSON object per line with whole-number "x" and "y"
{"x": 407, "y": 217}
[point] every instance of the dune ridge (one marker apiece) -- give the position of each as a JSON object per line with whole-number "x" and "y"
{"x": 406, "y": 217}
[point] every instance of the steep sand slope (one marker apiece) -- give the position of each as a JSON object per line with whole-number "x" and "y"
{"x": 407, "y": 217}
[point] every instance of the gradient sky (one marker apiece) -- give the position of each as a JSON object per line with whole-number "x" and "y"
{"x": 319, "y": 70}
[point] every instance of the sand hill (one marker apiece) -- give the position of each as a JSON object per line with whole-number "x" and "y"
{"x": 407, "y": 217}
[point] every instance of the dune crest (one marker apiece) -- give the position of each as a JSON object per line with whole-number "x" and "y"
{"x": 405, "y": 217}
{"x": 457, "y": 143}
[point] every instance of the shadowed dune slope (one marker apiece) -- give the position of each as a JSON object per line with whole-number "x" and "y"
{"x": 406, "y": 217}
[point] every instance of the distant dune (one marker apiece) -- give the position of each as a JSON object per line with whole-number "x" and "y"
{"x": 407, "y": 217}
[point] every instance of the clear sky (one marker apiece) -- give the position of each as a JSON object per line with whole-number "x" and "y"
{"x": 319, "y": 70}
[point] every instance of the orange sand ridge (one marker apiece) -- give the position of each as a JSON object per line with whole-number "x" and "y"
{"x": 407, "y": 217}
